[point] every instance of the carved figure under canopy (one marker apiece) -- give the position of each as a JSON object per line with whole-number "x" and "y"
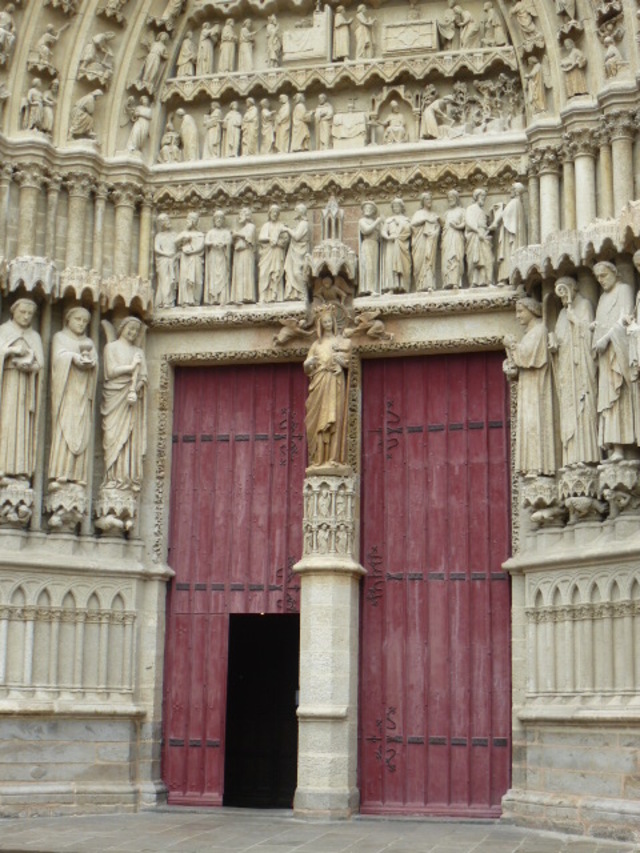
{"x": 575, "y": 375}
{"x": 212, "y": 132}
{"x": 295, "y": 286}
{"x": 363, "y": 33}
{"x": 228, "y": 42}
{"x": 323, "y": 118}
{"x": 188, "y": 136}
{"x": 250, "y": 128}
{"x": 369, "y": 228}
{"x": 124, "y": 409}
{"x": 218, "y": 261}
{"x": 282, "y": 140}
{"x": 573, "y": 64}
{"x": 245, "y": 47}
{"x": 395, "y": 263}
{"x": 395, "y": 127}
{"x": 493, "y": 34}
{"x": 274, "y": 42}
{"x": 186, "y": 62}
{"x": 425, "y": 231}
{"x": 170, "y": 145}
{"x": 453, "y": 242}
{"x": 267, "y": 128}
{"x": 74, "y": 372}
{"x": 511, "y": 223}
{"x": 326, "y": 366}
{"x": 21, "y": 360}
{"x": 528, "y": 363}
{"x": 273, "y": 240}
{"x": 341, "y": 35}
{"x": 243, "y": 277}
{"x": 447, "y": 27}
{"x": 209, "y": 35}
{"x": 300, "y": 118}
{"x": 232, "y": 125}
{"x": 165, "y": 252}
{"x": 191, "y": 245}
{"x": 616, "y": 427}
{"x": 468, "y": 27}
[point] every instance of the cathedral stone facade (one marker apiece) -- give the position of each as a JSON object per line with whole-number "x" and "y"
{"x": 320, "y": 408}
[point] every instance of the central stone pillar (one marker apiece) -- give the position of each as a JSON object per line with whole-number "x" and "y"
{"x": 329, "y": 600}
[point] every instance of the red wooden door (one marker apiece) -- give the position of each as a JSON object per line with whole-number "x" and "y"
{"x": 235, "y": 532}
{"x": 435, "y": 675}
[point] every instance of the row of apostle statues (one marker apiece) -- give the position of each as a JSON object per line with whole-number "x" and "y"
{"x": 74, "y": 374}
{"x": 578, "y": 377}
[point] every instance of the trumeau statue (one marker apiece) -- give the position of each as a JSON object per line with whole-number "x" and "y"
{"x": 191, "y": 278}
{"x": 452, "y": 249}
{"x": 326, "y": 411}
{"x": 610, "y": 342}
{"x": 528, "y": 363}
{"x": 74, "y": 373}
{"x": 21, "y": 360}
{"x": 218, "y": 261}
{"x": 369, "y": 228}
{"x": 273, "y": 240}
{"x": 166, "y": 254}
{"x": 478, "y": 241}
{"x": 243, "y": 276}
{"x": 425, "y": 231}
{"x": 510, "y": 220}
{"x": 575, "y": 374}
{"x": 395, "y": 262}
{"x": 299, "y": 246}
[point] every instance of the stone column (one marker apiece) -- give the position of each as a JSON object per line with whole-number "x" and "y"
{"x": 534, "y": 198}
{"x": 585, "y": 165}
{"x": 329, "y": 617}
{"x": 605, "y": 174}
{"x": 549, "y": 193}
{"x": 79, "y": 187}
{"x": 54, "y": 182}
{"x": 125, "y": 197}
{"x": 30, "y": 178}
{"x": 101, "y": 193}
{"x": 144, "y": 247}
{"x": 622, "y": 129}
{"x": 5, "y": 195}
{"x": 568, "y": 184}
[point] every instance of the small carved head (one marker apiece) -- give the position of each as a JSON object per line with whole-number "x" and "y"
{"x": 301, "y": 211}
{"x": 369, "y": 208}
{"x": 527, "y": 308}
{"x": 274, "y": 212}
{"x": 480, "y": 196}
{"x": 129, "y": 329}
{"x": 426, "y": 199}
{"x": 192, "y": 219}
{"x": 397, "y": 205}
{"x": 163, "y": 222}
{"x": 22, "y": 312}
{"x": 218, "y": 218}
{"x": 606, "y": 274}
{"x": 77, "y": 319}
{"x": 566, "y": 289}
{"x": 453, "y": 197}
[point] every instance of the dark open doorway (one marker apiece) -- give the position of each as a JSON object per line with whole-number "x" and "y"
{"x": 262, "y": 731}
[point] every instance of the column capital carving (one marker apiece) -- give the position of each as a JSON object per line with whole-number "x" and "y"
{"x": 6, "y": 174}
{"x": 101, "y": 190}
{"x": 126, "y": 195}
{"x": 579, "y": 142}
{"x": 53, "y": 182}
{"x": 622, "y": 124}
{"x": 548, "y": 159}
{"x": 30, "y": 175}
{"x": 79, "y": 184}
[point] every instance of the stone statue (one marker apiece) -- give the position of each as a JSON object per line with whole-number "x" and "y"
{"x": 295, "y": 280}
{"x": 453, "y": 242}
{"x": 573, "y": 64}
{"x": 283, "y": 125}
{"x": 21, "y": 360}
{"x": 191, "y": 245}
{"x": 243, "y": 277}
{"x": 493, "y": 34}
{"x": 536, "y": 84}
{"x": 228, "y": 42}
{"x": 170, "y": 144}
{"x": 186, "y": 62}
{"x": 274, "y": 42}
{"x": 7, "y": 32}
{"x": 575, "y": 375}
{"x": 166, "y": 254}
{"x": 369, "y": 228}
{"x": 32, "y": 107}
{"x": 74, "y": 373}
{"x": 478, "y": 241}
{"x": 434, "y": 111}
{"x": 218, "y": 262}
{"x": 326, "y": 410}
{"x": 267, "y": 128}
{"x": 341, "y": 35}
{"x": 616, "y": 427}
{"x": 447, "y": 29}
{"x": 363, "y": 33}
{"x": 511, "y": 223}
{"x": 395, "y": 127}
{"x": 425, "y": 232}
{"x": 123, "y": 409}
{"x": 395, "y": 263}
{"x": 245, "y": 47}
{"x": 188, "y": 136}
{"x": 212, "y": 132}
{"x": 273, "y": 240}
{"x": 140, "y": 118}
{"x": 81, "y": 120}
{"x": 96, "y": 61}
{"x": 323, "y": 119}
{"x": 232, "y": 125}
{"x": 171, "y": 13}
{"x": 468, "y": 28}
{"x": 157, "y": 54}
{"x": 566, "y": 9}
{"x": 42, "y": 54}
{"x": 525, "y": 14}
{"x": 613, "y": 61}
{"x": 49, "y": 101}
{"x": 300, "y": 118}
{"x": 250, "y": 128}
{"x": 209, "y": 36}
{"x": 528, "y": 363}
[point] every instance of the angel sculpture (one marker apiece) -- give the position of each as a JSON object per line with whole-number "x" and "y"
{"x": 139, "y": 116}
{"x": 157, "y": 54}
{"x": 368, "y": 323}
{"x": 292, "y": 328}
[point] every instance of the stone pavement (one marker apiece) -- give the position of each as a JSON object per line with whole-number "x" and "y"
{"x": 243, "y": 831}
